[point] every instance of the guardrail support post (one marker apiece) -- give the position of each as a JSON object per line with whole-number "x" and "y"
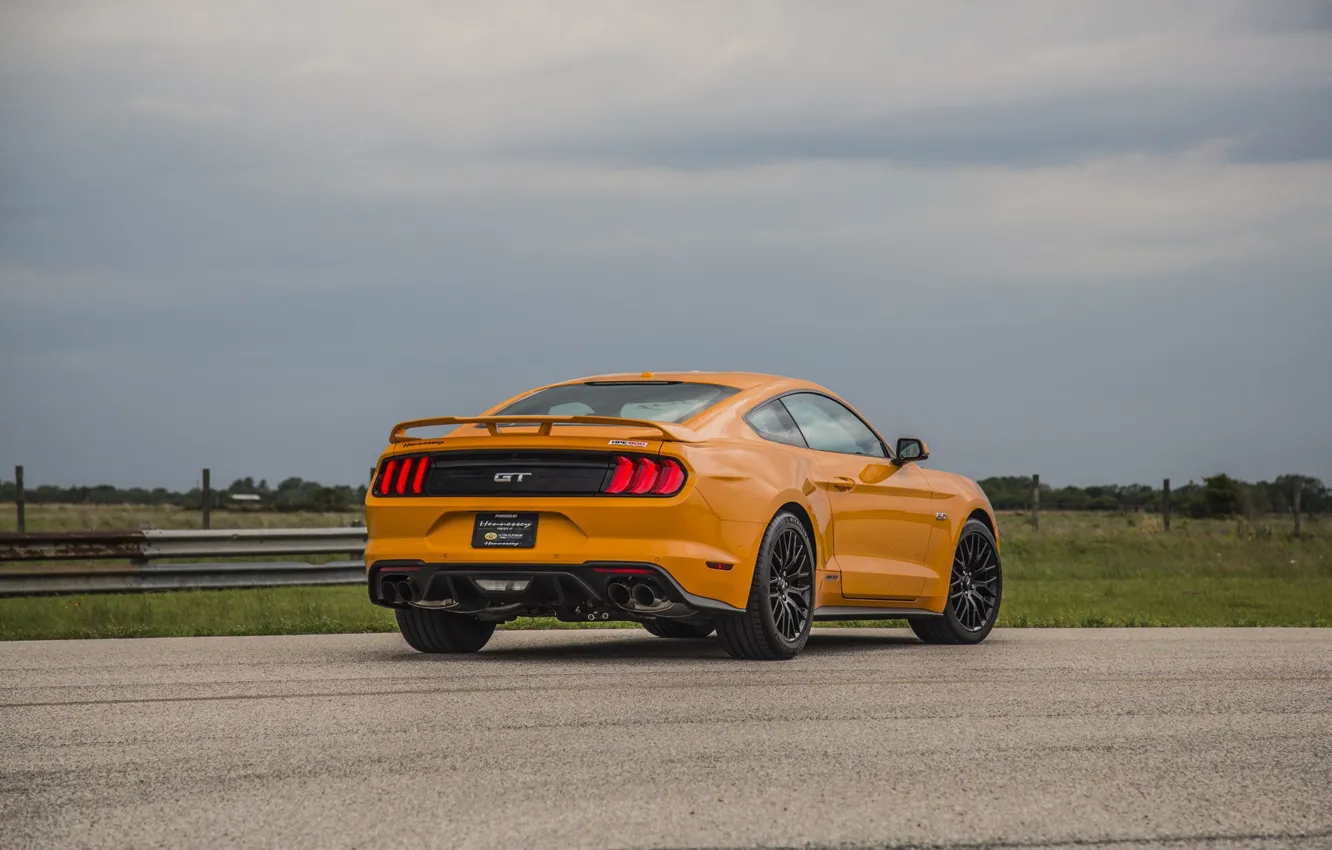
{"x": 18, "y": 499}
{"x": 1036, "y": 502}
{"x": 207, "y": 500}
{"x": 1165, "y": 504}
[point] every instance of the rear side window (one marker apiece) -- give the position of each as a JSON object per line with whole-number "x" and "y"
{"x": 772, "y": 422}
{"x": 830, "y": 426}
{"x": 657, "y": 401}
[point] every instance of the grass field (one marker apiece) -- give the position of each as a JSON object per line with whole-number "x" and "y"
{"x": 1079, "y": 570}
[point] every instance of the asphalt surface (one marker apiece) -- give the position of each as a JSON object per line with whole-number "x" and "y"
{"x": 1122, "y": 738}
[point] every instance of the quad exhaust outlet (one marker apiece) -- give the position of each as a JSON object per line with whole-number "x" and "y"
{"x": 644, "y": 596}
{"x": 401, "y": 590}
{"x": 619, "y": 594}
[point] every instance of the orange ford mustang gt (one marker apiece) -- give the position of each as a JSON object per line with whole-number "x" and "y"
{"x": 747, "y": 504}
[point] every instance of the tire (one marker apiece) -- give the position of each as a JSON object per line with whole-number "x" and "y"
{"x": 777, "y": 617}
{"x": 672, "y": 629}
{"x": 975, "y": 589}
{"x": 439, "y": 631}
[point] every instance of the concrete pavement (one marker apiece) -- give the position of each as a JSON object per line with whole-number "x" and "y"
{"x": 1048, "y": 738}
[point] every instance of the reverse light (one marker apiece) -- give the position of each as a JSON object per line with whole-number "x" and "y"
{"x": 503, "y": 585}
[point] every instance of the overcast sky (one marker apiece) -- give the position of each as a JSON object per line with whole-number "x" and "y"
{"x": 1089, "y": 240}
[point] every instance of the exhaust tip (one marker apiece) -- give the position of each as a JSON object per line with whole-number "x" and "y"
{"x": 644, "y": 596}
{"x": 388, "y": 591}
{"x": 407, "y": 590}
{"x": 619, "y": 594}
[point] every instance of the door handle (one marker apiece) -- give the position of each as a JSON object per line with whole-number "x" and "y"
{"x": 841, "y": 482}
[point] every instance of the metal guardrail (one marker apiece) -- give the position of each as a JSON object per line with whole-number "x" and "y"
{"x": 141, "y": 548}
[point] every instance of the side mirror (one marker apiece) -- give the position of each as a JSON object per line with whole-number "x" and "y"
{"x": 910, "y": 450}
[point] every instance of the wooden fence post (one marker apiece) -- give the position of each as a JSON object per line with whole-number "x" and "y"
{"x": 18, "y": 499}
{"x": 1036, "y": 502}
{"x": 1299, "y": 487}
{"x": 207, "y": 500}
{"x": 1165, "y": 504}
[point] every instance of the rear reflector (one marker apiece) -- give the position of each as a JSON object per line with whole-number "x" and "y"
{"x": 625, "y": 571}
{"x": 717, "y": 565}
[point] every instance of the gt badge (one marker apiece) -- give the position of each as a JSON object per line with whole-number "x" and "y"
{"x": 511, "y": 477}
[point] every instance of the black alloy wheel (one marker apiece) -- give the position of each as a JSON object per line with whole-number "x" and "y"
{"x": 776, "y": 621}
{"x": 791, "y": 584}
{"x": 974, "y": 591}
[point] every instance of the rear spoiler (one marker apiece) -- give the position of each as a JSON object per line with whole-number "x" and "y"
{"x": 674, "y": 433}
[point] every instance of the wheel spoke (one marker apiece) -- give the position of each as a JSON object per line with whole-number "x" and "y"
{"x": 973, "y": 588}
{"x": 790, "y": 584}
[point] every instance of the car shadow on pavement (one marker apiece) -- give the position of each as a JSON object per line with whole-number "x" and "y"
{"x": 639, "y": 646}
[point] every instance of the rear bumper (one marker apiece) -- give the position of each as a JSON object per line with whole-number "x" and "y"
{"x": 676, "y": 536}
{"x": 571, "y": 591}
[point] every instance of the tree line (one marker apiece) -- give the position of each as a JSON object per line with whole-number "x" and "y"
{"x": 1216, "y": 496}
{"x": 292, "y": 494}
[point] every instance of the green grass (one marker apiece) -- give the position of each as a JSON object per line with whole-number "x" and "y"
{"x": 1078, "y": 570}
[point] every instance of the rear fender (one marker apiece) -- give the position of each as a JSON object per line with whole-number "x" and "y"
{"x": 744, "y": 482}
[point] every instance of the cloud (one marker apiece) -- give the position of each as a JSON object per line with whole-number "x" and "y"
{"x": 1099, "y": 228}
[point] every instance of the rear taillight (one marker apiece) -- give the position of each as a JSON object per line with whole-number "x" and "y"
{"x": 624, "y": 473}
{"x": 630, "y": 475}
{"x": 642, "y": 476}
{"x": 402, "y": 476}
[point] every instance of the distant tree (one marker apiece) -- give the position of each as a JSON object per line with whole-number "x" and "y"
{"x": 1218, "y": 495}
{"x": 1222, "y": 496}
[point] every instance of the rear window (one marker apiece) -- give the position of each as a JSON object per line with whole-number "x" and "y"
{"x": 657, "y": 401}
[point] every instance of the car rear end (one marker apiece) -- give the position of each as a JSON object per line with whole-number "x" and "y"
{"x": 586, "y": 518}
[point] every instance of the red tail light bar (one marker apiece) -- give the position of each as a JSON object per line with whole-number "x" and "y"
{"x": 402, "y": 476}
{"x": 645, "y": 476}
{"x": 632, "y": 475}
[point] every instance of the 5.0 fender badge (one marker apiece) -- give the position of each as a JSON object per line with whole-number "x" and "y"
{"x": 941, "y": 515}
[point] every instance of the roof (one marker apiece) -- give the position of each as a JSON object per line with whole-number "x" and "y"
{"x": 739, "y": 380}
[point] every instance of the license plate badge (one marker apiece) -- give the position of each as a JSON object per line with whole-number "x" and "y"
{"x": 504, "y": 531}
